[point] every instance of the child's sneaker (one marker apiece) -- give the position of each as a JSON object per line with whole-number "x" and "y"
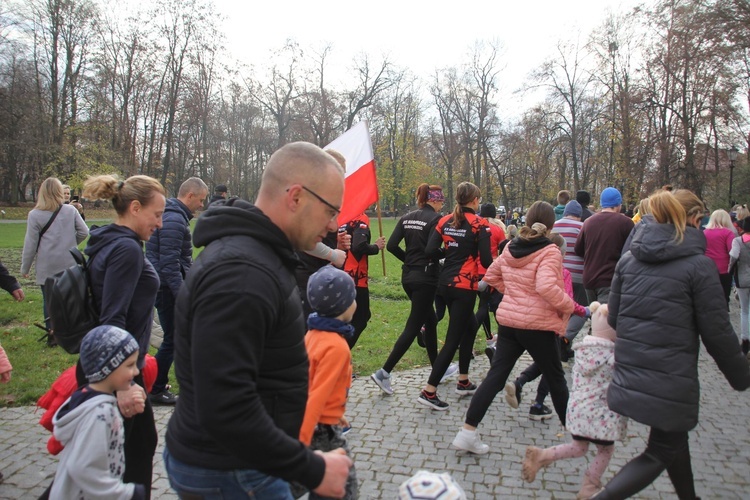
{"x": 465, "y": 387}
{"x": 469, "y": 441}
{"x": 452, "y": 370}
{"x": 539, "y": 412}
{"x": 383, "y": 379}
{"x": 432, "y": 401}
{"x": 513, "y": 394}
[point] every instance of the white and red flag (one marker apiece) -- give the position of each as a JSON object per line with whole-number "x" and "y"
{"x": 361, "y": 185}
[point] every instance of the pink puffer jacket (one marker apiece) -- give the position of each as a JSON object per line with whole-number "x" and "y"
{"x": 534, "y": 291}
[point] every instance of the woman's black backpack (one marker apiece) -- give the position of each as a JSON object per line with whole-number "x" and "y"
{"x": 70, "y": 304}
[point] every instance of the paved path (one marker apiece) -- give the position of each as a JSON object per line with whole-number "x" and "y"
{"x": 393, "y": 438}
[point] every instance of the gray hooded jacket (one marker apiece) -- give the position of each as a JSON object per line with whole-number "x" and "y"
{"x": 92, "y": 463}
{"x": 665, "y": 297}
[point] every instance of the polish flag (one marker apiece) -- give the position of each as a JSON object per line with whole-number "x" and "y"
{"x": 361, "y": 185}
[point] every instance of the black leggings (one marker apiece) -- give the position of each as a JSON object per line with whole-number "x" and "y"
{"x": 726, "y": 285}
{"x": 489, "y": 299}
{"x": 361, "y": 315}
{"x": 461, "y": 331}
{"x": 422, "y": 313}
{"x": 668, "y": 451}
{"x": 511, "y": 343}
{"x": 533, "y": 371}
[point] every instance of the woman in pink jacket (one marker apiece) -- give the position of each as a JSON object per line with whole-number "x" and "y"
{"x": 529, "y": 274}
{"x": 719, "y": 235}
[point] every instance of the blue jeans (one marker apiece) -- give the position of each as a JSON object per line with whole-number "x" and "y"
{"x": 194, "y": 483}
{"x": 165, "y": 354}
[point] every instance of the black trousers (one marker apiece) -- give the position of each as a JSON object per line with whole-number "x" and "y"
{"x": 461, "y": 332}
{"x": 668, "y": 451}
{"x": 489, "y": 299}
{"x": 511, "y": 343}
{"x": 726, "y": 285}
{"x": 361, "y": 316}
{"x": 421, "y": 313}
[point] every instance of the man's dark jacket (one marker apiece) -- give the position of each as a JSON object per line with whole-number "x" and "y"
{"x": 666, "y": 298}
{"x": 240, "y": 355}
{"x": 8, "y": 282}
{"x": 169, "y": 249}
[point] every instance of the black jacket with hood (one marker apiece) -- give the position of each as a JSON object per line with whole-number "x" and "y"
{"x": 665, "y": 299}
{"x": 239, "y": 351}
{"x": 123, "y": 282}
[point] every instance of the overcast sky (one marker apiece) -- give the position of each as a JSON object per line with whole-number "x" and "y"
{"x": 419, "y": 35}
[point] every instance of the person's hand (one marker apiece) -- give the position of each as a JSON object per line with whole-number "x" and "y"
{"x": 482, "y": 285}
{"x": 344, "y": 240}
{"x": 5, "y": 377}
{"x": 18, "y": 294}
{"x": 131, "y": 401}
{"x": 337, "y": 471}
{"x": 380, "y": 242}
{"x": 339, "y": 257}
{"x": 26, "y": 275}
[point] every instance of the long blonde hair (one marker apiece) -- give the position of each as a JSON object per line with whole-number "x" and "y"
{"x": 719, "y": 218}
{"x": 693, "y": 205}
{"x": 667, "y": 209}
{"x": 50, "y": 195}
{"x": 122, "y": 193}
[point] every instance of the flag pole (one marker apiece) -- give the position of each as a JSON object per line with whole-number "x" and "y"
{"x": 380, "y": 228}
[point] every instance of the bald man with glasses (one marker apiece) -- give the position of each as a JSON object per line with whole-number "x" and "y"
{"x": 239, "y": 339}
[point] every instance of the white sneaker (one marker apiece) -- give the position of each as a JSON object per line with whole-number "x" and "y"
{"x": 469, "y": 441}
{"x": 383, "y": 379}
{"x": 452, "y": 370}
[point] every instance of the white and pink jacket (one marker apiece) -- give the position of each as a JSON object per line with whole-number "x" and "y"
{"x": 588, "y": 414}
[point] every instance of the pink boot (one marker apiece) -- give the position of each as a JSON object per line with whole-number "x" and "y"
{"x": 535, "y": 459}
{"x": 589, "y": 488}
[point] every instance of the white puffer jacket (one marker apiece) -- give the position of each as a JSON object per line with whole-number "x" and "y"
{"x": 588, "y": 413}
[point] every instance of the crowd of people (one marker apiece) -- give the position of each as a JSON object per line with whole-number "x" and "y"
{"x": 261, "y": 326}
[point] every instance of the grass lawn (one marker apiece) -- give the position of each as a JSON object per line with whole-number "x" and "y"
{"x": 35, "y": 366}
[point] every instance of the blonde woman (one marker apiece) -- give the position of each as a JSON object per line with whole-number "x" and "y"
{"x": 719, "y": 235}
{"x": 665, "y": 301}
{"x": 124, "y": 286}
{"x": 52, "y": 229}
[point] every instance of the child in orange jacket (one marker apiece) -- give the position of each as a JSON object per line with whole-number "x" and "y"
{"x": 331, "y": 295}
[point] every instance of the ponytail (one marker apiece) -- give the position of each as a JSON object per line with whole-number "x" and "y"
{"x": 422, "y": 191}
{"x": 539, "y": 221}
{"x": 429, "y": 193}
{"x": 122, "y": 193}
{"x": 466, "y": 192}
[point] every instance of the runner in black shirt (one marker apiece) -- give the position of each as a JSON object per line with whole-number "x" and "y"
{"x": 419, "y": 277}
{"x": 466, "y": 241}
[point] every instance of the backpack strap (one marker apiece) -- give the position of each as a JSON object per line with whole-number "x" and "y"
{"x": 46, "y": 226}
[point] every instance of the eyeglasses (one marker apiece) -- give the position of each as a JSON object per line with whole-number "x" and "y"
{"x": 333, "y": 211}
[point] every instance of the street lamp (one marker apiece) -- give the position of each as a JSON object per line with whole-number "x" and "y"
{"x": 732, "y": 155}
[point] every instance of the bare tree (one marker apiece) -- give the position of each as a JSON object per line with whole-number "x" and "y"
{"x": 371, "y": 83}
{"x": 570, "y": 84}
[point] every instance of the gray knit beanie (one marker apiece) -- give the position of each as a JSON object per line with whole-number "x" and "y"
{"x": 330, "y": 291}
{"x": 104, "y": 349}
